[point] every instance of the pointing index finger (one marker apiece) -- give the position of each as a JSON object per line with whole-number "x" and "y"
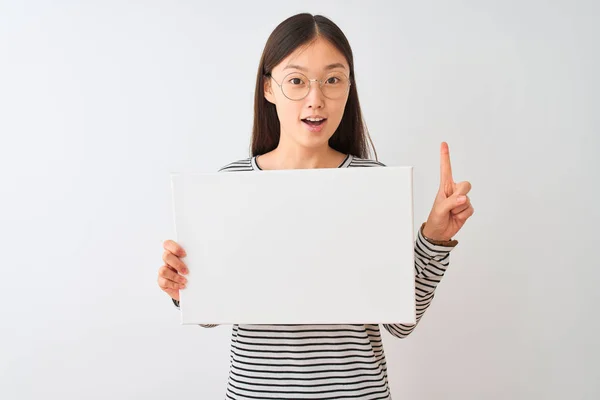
{"x": 445, "y": 167}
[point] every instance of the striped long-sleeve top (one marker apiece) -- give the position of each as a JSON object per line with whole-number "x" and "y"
{"x": 325, "y": 361}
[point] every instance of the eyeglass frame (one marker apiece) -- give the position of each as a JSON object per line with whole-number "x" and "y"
{"x": 310, "y": 81}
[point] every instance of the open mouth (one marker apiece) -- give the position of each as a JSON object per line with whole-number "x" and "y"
{"x": 314, "y": 122}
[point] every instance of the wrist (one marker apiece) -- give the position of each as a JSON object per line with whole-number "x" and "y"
{"x": 432, "y": 236}
{"x": 445, "y": 242}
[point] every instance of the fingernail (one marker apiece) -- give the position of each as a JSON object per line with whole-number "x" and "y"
{"x": 460, "y": 199}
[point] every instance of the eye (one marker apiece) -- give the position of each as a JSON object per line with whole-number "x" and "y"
{"x": 333, "y": 80}
{"x": 295, "y": 81}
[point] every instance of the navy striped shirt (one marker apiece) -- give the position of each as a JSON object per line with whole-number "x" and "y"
{"x": 324, "y": 361}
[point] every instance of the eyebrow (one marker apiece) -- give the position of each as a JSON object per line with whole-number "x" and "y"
{"x": 327, "y": 68}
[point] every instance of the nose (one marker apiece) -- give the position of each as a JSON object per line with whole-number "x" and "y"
{"x": 315, "y": 98}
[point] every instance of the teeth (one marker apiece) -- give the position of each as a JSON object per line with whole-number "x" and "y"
{"x": 315, "y": 119}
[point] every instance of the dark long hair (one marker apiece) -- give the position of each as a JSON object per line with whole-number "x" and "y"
{"x": 351, "y": 135}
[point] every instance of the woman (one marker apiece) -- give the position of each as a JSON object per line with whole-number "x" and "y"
{"x": 307, "y": 115}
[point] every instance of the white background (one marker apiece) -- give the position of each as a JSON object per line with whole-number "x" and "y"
{"x": 100, "y": 101}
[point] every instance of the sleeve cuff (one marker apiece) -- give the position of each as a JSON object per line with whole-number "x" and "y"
{"x": 430, "y": 251}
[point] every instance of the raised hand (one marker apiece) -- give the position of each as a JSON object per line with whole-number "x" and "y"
{"x": 452, "y": 207}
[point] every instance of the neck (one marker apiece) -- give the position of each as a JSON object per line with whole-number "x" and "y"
{"x": 292, "y": 156}
{"x": 302, "y": 158}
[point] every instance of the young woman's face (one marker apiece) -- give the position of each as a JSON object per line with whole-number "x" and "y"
{"x": 297, "y": 102}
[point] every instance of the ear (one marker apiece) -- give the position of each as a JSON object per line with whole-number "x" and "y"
{"x": 268, "y": 89}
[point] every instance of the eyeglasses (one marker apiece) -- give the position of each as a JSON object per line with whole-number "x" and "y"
{"x": 296, "y": 86}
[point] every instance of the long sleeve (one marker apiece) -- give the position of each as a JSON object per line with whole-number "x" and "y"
{"x": 202, "y": 325}
{"x": 431, "y": 262}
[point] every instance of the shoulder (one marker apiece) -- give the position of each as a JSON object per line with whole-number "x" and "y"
{"x": 364, "y": 162}
{"x": 244, "y": 164}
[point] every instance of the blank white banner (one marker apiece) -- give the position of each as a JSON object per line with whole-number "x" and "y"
{"x": 312, "y": 246}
